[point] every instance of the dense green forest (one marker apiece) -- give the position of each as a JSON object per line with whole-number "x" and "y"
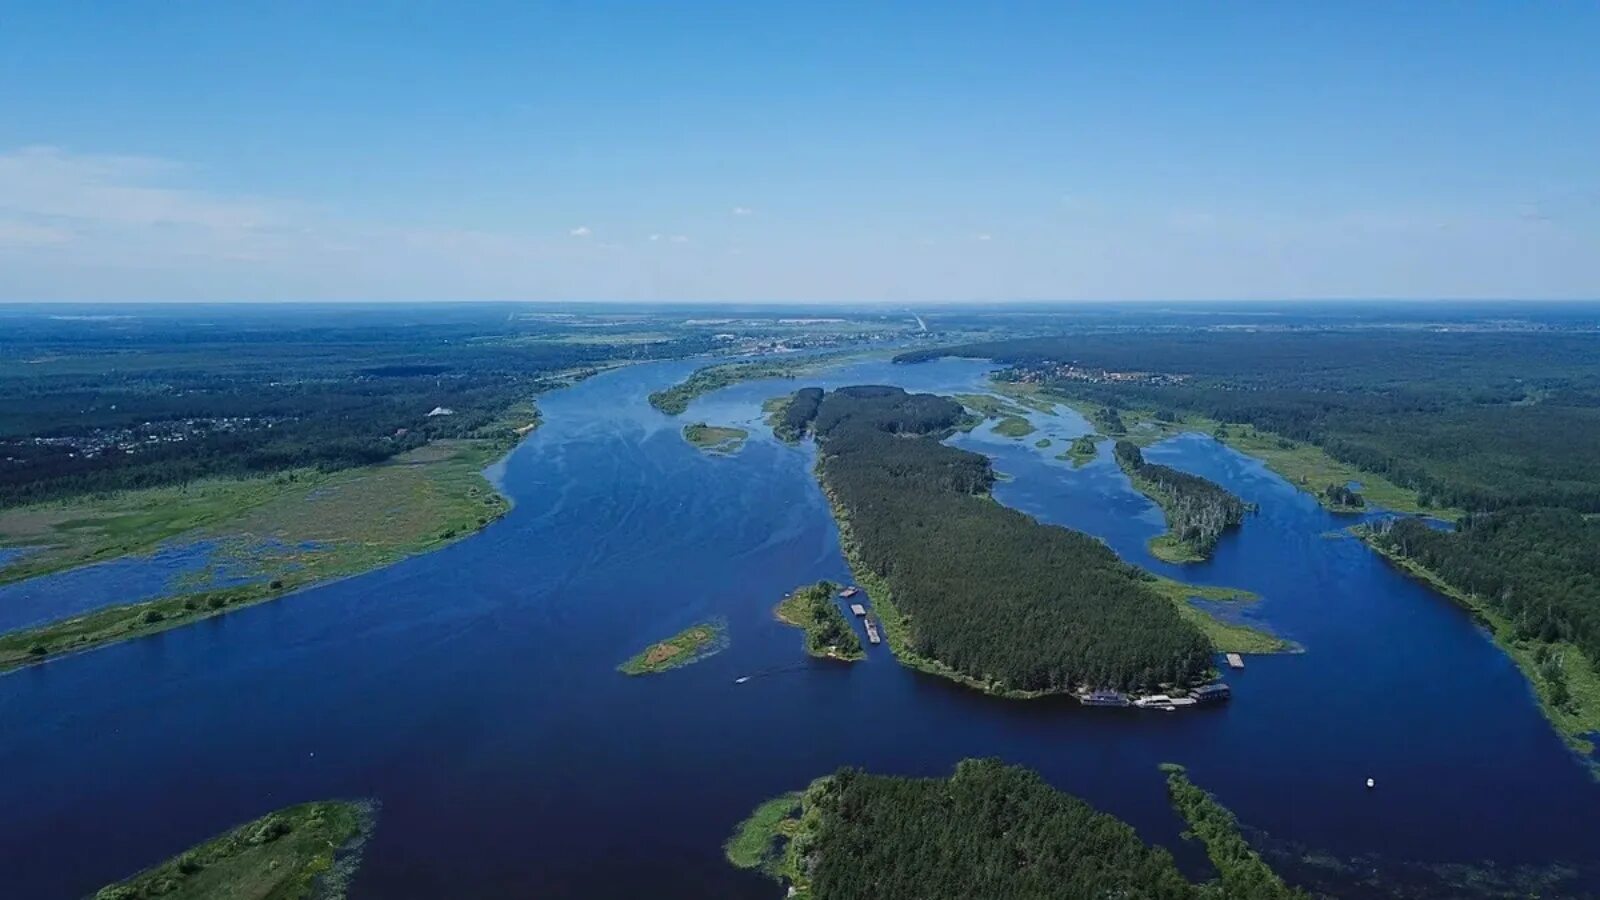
{"x": 795, "y": 417}
{"x": 1198, "y": 511}
{"x": 97, "y": 406}
{"x": 1501, "y": 424}
{"x": 1540, "y": 568}
{"x": 990, "y": 830}
{"x": 982, "y": 589}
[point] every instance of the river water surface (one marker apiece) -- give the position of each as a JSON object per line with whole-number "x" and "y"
{"x": 473, "y": 692}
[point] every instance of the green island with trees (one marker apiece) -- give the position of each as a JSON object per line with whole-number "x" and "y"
{"x": 718, "y": 439}
{"x": 1493, "y": 429}
{"x": 690, "y": 645}
{"x": 675, "y": 400}
{"x": 1198, "y": 510}
{"x": 304, "y": 851}
{"x": 828, "y": 632}
{"x": 988, "y": 830}
{"x": 974, "y": 591}
{"x": 1082, "y": 450}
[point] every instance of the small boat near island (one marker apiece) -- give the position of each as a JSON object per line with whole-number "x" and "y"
{"x": 872, "y": 630}
{"x": 849, "y": 592}
{"x": 1105, "y": 698}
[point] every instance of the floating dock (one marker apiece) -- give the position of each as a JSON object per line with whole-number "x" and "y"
{"x": 1235, "y": 661}
{"x": 850, "y": 592}
{"x": 872, "y": 632}
{"x": 858, "y": 609}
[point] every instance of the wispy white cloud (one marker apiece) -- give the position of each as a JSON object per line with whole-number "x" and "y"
{"x": 655, "y": 237}
{"x": 742, "y": 211}
{"x": 983, "y": 237}
{"x": 581, "y": 231}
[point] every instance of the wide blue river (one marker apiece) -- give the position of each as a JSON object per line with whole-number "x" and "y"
{"x": 473, "y": 691}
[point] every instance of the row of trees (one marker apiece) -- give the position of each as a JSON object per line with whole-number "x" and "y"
{"x": 1198, "y": 510}
{"x": 984, "y": 589}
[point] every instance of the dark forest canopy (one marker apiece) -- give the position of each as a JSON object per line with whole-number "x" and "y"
{"x": 983, "y": 589}
{"x": 795, "y": 418}
{"x": 1502, "y": 424}
{"x": 1540, "y": 568}
{"x": 150, "y": 403}
{"x": 990, "y": 830}
{"x": 1198, "y": 511}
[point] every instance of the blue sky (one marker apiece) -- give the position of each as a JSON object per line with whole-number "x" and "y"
{"x": 750, "y": 151}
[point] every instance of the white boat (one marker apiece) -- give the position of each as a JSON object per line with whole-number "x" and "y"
{"x": 741, "y": 679}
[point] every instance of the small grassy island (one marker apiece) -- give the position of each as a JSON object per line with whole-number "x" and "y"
{"x": 989, "y": 830}
{"x": 715, "y": 438}
{"x": 299, "y": 852}
{"x": 687, "y": 646}
{"x": 1083, "y": 450}
{"x": 1013, "y": 427}
{"x": 971, "y": 590}
{"x": 828, "y": 632}
{"x": 1198, "y": 510}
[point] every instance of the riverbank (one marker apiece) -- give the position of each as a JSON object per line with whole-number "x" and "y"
{"x": 675, "y": 400}
{"x": 1304, "y": 465}
{"x": 291, "y": 854}
{"x": 829, "y": 634}
{"x": 1241, "y": 870}
{"x": 299, "y": 532}
{"x": 687, "y": 646}
{"x": 1579, "y": 721}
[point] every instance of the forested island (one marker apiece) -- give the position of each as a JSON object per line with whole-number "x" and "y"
{"x": 687, "y": 646}
{"x": 1494, "y": 428}
{"x": 304, "y": 851}
{"x": 791, "y": 417}
{"x": 976, "y": 591}
{"x": 989, "y": 830}
{"x": 828, "y": 632}
{"x": 1198, "y": 510}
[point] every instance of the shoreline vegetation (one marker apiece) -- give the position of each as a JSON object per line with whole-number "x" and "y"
{"x": 717, "y": 439}
{"x": 1197, "y": 511}
{"x": 1572, "y": 709}
{"x": 849, "y": 423}
{"x": 828, "y": 633}
{"x": 688, "y": 646}
{"x": 295, "y": 853}
{"x": 854, "y": 835}
{"x": 305, "y": 529}
{"x": 675, "y": 400}
{"x": 1241, "y": 871}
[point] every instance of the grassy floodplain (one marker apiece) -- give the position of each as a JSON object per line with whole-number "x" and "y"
{"x": 687, "y": 646}
{"x": 829, "y": 634}
{"x": 1306, "y": 466}
{"x": 296, "y": 530}
{"x": 676, "y": 399}
{"x": 715, "y": 438}
{"x": 298, "y": 852}
{"x": 1579, "y": 721}
{"x": 1242, "y": 871}
{"x": 759, "y": 842}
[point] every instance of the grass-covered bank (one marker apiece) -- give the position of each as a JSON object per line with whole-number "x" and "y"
{"x": 715, "y": 438}
{"x": 303, "y": 851}
{"x": 687, "y": 646}
{"x": 1305, "y": 465}
{"x": 828, "y": 632}
{"x": 309, "y": 530}
{"x": 1242, "y": 873}
{"x": 1573, "y": 708}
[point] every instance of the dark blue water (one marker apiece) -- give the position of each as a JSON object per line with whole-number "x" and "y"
{"x": 472, "y": 691}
